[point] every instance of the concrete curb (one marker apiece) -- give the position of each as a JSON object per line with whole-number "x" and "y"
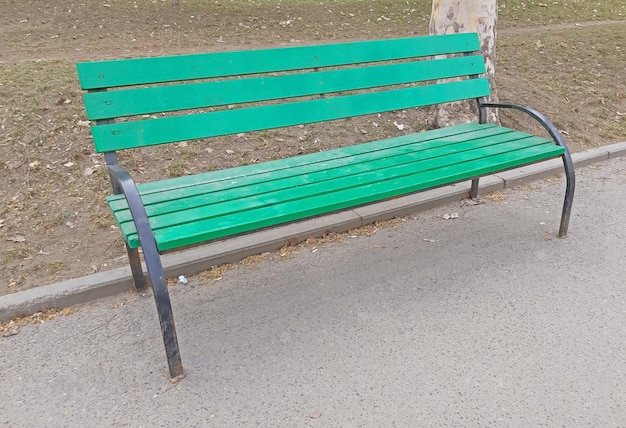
{"x": 192, "y": 261}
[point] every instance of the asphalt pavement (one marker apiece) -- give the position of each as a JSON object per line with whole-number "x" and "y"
{"x": 487, "y": 319}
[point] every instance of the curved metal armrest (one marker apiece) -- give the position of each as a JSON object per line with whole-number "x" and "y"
{"x": 121, "y": 179}
{"x": 559, "y": 140}
{"x": 123, "y": 183}
{"x": 538, "y": 116}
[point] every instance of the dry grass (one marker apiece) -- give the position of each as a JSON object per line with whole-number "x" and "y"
{"x": 54, "y": 185}
{"x": 11, "y": 328}
{"x": 494, "y": 196}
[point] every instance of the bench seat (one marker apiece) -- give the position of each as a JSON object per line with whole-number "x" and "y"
{"x": 193, "y": 209}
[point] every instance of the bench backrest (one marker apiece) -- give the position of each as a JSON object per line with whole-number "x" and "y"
{"x": 176, "y": 98}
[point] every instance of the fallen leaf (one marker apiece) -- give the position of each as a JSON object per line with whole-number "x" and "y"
{"x": 11, "y": 331}
{"x": 315, "y": 415}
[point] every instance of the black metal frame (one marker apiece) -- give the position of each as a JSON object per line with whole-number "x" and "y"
{"x": 123, "y": 183}
{"x": 558, "y": 139}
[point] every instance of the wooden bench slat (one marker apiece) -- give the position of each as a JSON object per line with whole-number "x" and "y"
{"x": 140, "y": 71}
{"x": 366, "y": 159}
{"x": 242, "y": 196}
{"x": 118, "y": 136}
{"x": 189, "y": 234}
{"x": 129, "y": 102}
{"x": 292, "y": 166}
{"x": 255, "y": 194}
{"x": 358, "y": 182}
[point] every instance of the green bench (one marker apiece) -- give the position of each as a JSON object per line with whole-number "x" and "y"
{"x": 138, "y": 102}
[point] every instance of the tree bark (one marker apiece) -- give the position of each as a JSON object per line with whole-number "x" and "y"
{"x": 464, "y": 16}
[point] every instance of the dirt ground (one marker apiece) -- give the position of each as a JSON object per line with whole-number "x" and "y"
{"x": 565, "y": 58}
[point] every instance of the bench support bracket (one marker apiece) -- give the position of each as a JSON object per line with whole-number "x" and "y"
{"x": 474, "y": 189}
{"x": 568, "y": 164}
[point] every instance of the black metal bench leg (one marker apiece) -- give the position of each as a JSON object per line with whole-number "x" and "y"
{"x": 164, "y": 309}
{"x": 136, "y": 269}
{"x": 558, "y": 139}
{"x": 569, "y": 193}
{"x": 474, "y": 189}
{"x": 123, "y": 183}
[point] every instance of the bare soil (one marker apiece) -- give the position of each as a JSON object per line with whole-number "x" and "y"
{"x": 567, "y": 60}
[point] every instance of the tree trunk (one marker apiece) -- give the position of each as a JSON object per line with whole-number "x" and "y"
{"x": 464, "y": 16}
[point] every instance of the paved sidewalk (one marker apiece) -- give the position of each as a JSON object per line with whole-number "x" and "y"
{"x": 487, "y": 319}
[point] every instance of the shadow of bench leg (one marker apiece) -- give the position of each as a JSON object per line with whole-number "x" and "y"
{"x": 569, "y": 193}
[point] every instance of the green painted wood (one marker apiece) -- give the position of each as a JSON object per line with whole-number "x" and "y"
{"x": 302, "y": 164}
{"x": 464, "y": 164}
{"x": 125, "y": 135}
{"x": 171, "y": 212}
{"x": 383, "y": 157}
{"x": 190, "y": 210}
{"x": 129, "y": 102}
{"x": 140, "y": 71}
{"x": 287, "y": 164}
{"x": 246, "y": 221}
{"x": 348, "y": 176}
